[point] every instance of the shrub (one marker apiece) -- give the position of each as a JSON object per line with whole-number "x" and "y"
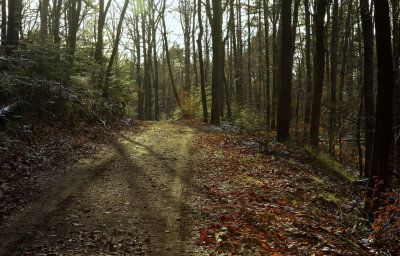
{"x": 386, "y": 226}
{"x": 247, "y": 119}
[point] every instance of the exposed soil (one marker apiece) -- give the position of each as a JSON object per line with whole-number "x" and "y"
{"x": 132, "y": 198}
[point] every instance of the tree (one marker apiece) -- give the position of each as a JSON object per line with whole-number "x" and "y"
{"x": 98, "y": 54}
{"x": 155, "y": 60}
{"x": 267, "y": 64}
{"x": 275, "y": 62}
{"x": 396, "y": 63}
{"x": 171, "y": 75}
{"x": 383, "y": 115}
{"x": 201, "y": 64}
{"x": 115, "y": 49}
{"x": 217, "y": 69}
{"x": 185, "y": 15}
{"x": 333, "y": 81}
{"x": 3, "y": 22}
{"x": 309, "y": 86}
{"x": 13, "y": 25}
{"x": 44, "y": 13}
{"x": 285, "y": 80}
{"x": 57, "y": 4}
{"x": 319, "y": 67}
{"x": 239, "y": 67}
{"x": 74, "y": 12}
{"x": 368, "y": 90}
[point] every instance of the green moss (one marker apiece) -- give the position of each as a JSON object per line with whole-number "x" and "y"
{"x": 317, "y": 179}
{"x": 332, "y": 197}
{"x": 247, "y": 181}
{"x": 328, "y": 164}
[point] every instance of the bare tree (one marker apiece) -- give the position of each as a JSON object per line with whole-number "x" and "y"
{"x": 319, "y": 67}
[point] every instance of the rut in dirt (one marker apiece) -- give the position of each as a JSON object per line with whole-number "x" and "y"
{"x": 131, "y": 198}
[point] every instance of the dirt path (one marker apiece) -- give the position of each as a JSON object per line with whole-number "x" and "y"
{"x": 132, "y": 198}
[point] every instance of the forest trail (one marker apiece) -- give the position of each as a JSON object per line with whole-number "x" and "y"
{"x": 130, "y": 198}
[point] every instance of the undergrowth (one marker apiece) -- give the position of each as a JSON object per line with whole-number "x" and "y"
{"x": 328, "y": 164}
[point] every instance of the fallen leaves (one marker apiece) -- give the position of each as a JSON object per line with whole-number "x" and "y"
{"x": 259, "y": 199}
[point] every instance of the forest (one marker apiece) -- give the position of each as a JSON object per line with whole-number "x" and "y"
{"x": 224, "y": 127}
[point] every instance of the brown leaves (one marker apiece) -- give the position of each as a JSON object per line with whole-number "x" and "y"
{"x": 260, "y": 201}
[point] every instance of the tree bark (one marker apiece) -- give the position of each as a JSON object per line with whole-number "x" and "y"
{"x": 201, "y": 64}
{"x": 44, "y": 13}
{"x": 275, "y": 62}
{"x": 171, "y": 75}
{"x": 309, "y": 85}
{"x": 74, "y": 12}
{"x": 333, "y": 81}
{"x": 267, "y": 65}
{"x": 383, "y": 115}
{"x": 319, "y": 67}
{"x": 368, "y": 74}
{"x": 249, "y": 85}
{"x": 13, "y": 25}
{"x": 240, "y": 68}
{"x": 285, "y": 79}
{"x": 396, "y": 62}
{"x": 185, "y": 21}
{"x": 217, "y": 69}
{"x": 115, "y": 49}
{"x": 156, "y": 82}
{"x": 57, "y": 4}
{"x": 3, "y": 22}
{"x": 98, "y": 54}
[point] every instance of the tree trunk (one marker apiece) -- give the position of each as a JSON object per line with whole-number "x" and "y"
{"x": 186, "y": 39}
{"x": 115, "y": 49}
{"x": 249, "y": 86}
{"x": 333, "y": 81}
{"x": 275, "y": 63}
{"x": 217, "y": 69}
{"x": 57, "y": 4}
{"x": 239, "y": 91}
{"x": 285, "y": 79}
{"x": 319, "y": 67}
{"x": 344, "y": 64}
{"x": 194, "y": 54}
{"x": 201, "y": 64}
{"x": 309, "y": 85}
{"x": 171, "y": 75}
{"x": 44, "y": 13}
{"x": 396, "y": 62}
{"x": 3, "y": 22}
{"x": 240, "y": 68}
{"x": 138, "y": 72}
{"x": 74, "y": 12}
{"x": 368, "y": 37}
{"x": 13, "y": 25}
{"x": 267, "y": 65}
{"x": 98, "y": 54}
{"x": 156, "y": 90}
{"x": 383, "y": 115}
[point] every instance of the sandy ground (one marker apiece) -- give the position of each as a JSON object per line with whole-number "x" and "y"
{"x": 132, "y": 198}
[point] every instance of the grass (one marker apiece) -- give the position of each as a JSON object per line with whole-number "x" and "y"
{"x": 328, "y": 164}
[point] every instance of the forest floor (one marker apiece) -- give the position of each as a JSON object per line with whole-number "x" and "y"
{"x": 167, "y": 188}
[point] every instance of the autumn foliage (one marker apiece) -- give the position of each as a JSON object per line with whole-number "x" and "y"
{"x": 264, "y": 198}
